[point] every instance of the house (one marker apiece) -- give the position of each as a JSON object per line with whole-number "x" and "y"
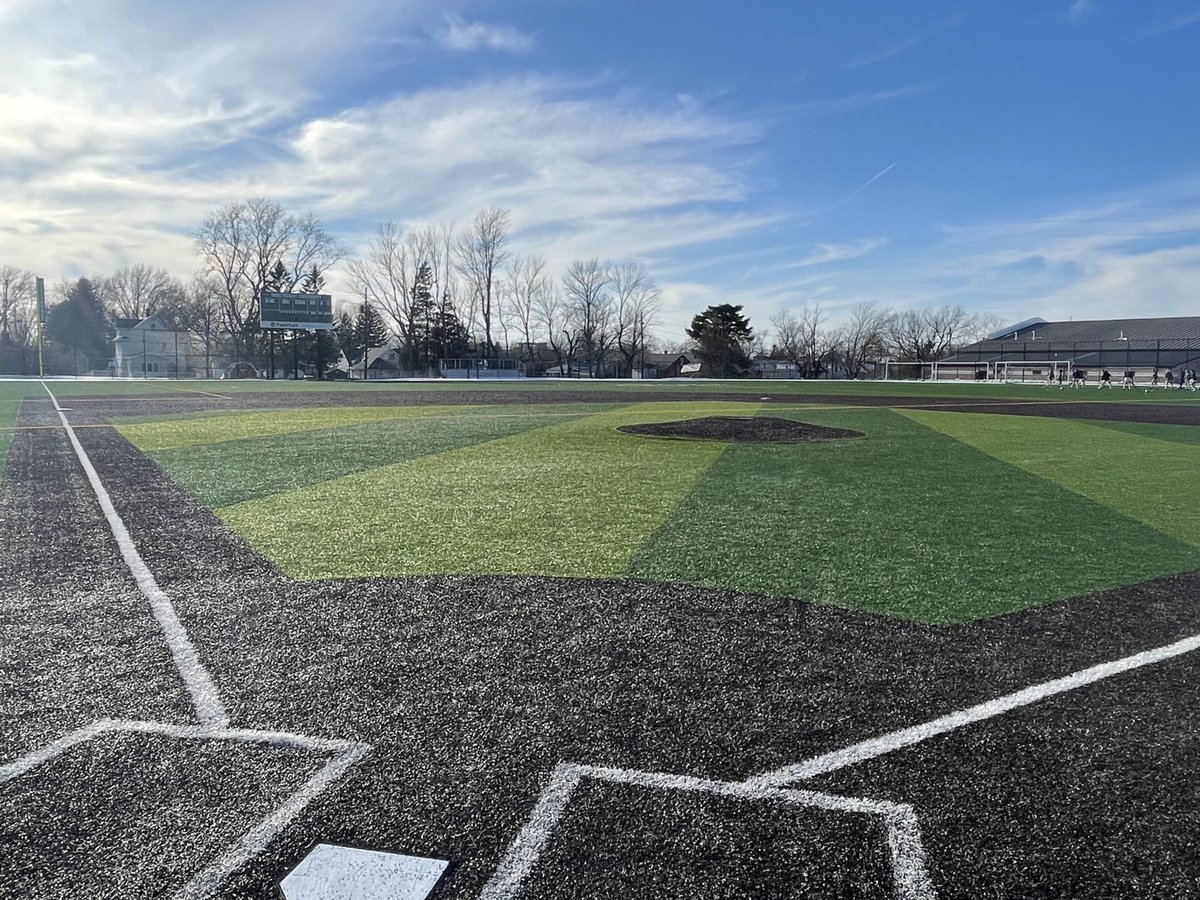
{"x": 774, "y": 368}
{"x": 381, "y": 363}
{"x": 149, "y": 347}
{"x": 660, "y": 365}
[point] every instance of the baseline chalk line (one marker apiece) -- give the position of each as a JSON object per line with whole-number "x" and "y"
{"x": 915, "y": 734}
{"x": 199, "y": 683}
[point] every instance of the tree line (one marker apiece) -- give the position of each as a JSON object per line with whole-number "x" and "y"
{"x": 725, "y": 342}
{"x": 432, "y": 291}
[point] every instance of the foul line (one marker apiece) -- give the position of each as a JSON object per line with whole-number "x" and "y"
{"x": 199, "y": 683}
{"x": 915, "y": 734}
{"x": 903, "y": 831}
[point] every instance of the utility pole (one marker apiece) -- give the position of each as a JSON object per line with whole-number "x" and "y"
{"x": 41, "y": 324}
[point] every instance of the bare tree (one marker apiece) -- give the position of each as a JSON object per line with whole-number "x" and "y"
{"x": 482, "y": 252}
{"x": 923, "y": 335}
{"x": 382, "y": 277}
{"x": 525, "y": 283}
{"x": 16, "y": 304}
{"x": 637, "y": 298}
{"x": 586, "y": 285}
{"x": 861, "y": 339}
{"x": 802, "y": 340}
{"x": 557, "y": 321}
{"x": 241, "y": 245}
{"x": 136, "y": 292}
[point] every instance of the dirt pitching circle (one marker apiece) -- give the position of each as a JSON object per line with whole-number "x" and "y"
{"x": 743, "y": 429}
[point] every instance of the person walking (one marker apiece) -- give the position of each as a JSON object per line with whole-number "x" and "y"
{"x": 1077, "y": 378}
{"x": 1170, "y": 379}
{"x": 1127, "y": 382}
{"x": 1106, "y": 380}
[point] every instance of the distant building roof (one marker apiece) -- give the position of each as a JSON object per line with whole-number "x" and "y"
{"x": 1166, "y": 328}
{"x": 1160, "y": 342}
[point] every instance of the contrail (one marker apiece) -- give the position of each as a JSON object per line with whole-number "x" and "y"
{"x": 854, "y": 193}
{"x": 871, "y": 180}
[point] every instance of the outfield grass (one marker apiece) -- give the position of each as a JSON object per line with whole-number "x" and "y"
{"x": 572, "y": 498}
{"x": 938, "y": 517}
{"x": 297, "y": 451}
{"x": 908, "y": 522}
{"x": 1147, "y": 479}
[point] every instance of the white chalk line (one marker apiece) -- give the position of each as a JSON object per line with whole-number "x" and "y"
{"x": 915, "y": 734}
{"x": 903, "y": 831}
{"x": 209, "y": 708}
{"x": 195, "y": 677}
{"x": 206, "y": 883}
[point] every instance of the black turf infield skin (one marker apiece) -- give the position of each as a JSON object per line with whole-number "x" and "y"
{"x": 470, "y": 690}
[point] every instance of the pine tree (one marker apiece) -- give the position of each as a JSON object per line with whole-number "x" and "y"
{"x": 369, "y": 329}
{"x": 448, "y": 337}
{"x": 721, "y": 334}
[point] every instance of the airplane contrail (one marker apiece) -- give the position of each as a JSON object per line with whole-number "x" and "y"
{"x": 873, "y": 179}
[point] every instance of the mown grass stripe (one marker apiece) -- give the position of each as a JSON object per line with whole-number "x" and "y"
{"x": 229, "y": 472}
{"x": 907, "y": 521}
{"x": 1155, "y": 481}
{"x": 571, "y": 499}
{"x": 170, "y": 434}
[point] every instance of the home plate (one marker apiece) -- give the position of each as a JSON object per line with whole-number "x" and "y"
{"x": 330, "y": 872}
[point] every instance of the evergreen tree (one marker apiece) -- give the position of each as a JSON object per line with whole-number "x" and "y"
{"x": 343, "y": 334}
{"x": 721, "y": 335}
{"x": 422, "y": 314}
{"x": 369, "y": 329}
{"x": 448, "y": 337}
{"x": 78, "y": 323}
{"x": 313, "y": 281}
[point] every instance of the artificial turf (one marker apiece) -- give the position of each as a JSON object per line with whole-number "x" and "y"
{"x": 938, "y": 517}
{"x": 295, "y": 451}
{"x": 576, "y": 497}
{"x": 908, "y": 522}
{"x": 1147, "y": 479}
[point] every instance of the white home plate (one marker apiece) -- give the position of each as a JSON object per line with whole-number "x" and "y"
{"x": 344, "y": 873}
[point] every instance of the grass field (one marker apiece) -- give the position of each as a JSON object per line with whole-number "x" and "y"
{"x": 935, "y": 516}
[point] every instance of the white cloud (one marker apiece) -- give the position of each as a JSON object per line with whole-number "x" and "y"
{"x": 467, "y": 36}
{"x": 823, "y": 254}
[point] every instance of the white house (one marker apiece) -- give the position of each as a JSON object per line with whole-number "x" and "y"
{"x": 151, "y": 348}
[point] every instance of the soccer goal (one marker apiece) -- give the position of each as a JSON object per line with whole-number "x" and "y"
{"x": 902, "y": 370}
{"x": 1048, "y": 371}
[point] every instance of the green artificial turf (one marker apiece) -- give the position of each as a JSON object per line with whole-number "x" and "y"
{"x": 11, "y": 395}
{"x": 202, "y": 455}
{"x": 907, "y": 522}
{"x": 1153, "y": 481}
{"x": 573, "y": 498}
{"x": 938, "y": 517}
{"x": 1176, "y": 434}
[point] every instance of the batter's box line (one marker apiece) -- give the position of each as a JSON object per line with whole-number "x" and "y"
{"x": 911, "y": 878}
{"x": 208, "y": 881}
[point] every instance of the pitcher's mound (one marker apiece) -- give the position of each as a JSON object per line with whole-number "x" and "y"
{"x": 744, "y": 429}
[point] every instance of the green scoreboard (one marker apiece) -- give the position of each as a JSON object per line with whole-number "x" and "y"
{"x": 295, "y": 311}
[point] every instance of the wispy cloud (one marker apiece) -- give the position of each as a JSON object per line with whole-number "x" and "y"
{"x": 1080, "y": 10}
{"x": 824, "y": 254}
{"x": 1184, "y": 21}
{"x": 908, "y": 43}
{"x": 828, "y": 105}
{"x": 469, "y": 36}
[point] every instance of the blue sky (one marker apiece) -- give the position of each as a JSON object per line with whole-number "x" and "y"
{"x": 1020, "y": 158}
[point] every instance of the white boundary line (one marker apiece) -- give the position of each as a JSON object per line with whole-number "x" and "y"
{"x": 199, "y": 683}
{"x": 915, "y": 734}
{"x": 903, "y": 831}
{"x": 209, "y": 708}
{"x": 206, "y": 883}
